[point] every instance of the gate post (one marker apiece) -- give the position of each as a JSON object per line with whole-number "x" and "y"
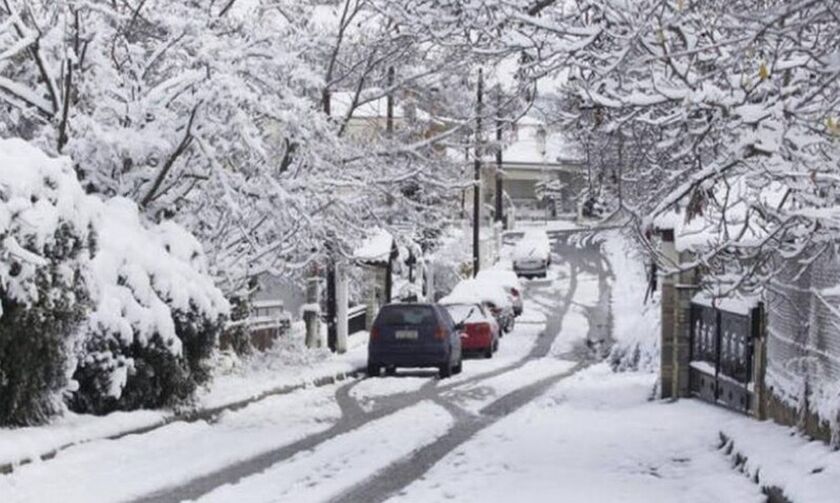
{"x": 666, "y": 363}
{"x": 683, "y": 293}
{"x": 677, "y": 291}
{"x": 759, "y": 338}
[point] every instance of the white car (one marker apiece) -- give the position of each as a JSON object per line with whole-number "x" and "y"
{"x": 508, "y": 280}
{"x": 532, "y": 255}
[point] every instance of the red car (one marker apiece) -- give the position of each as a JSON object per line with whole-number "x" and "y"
{"x": 481, "y": 332}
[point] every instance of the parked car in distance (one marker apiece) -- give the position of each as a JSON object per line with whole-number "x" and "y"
{"x": 508, "y": 280}
{"x": 414, "y": 335}
{"x": 481, "y": 332}
{"x": 532, "y": 255}
{"x": 491, "y": 295}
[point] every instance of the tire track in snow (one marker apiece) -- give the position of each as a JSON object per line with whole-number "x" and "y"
{"x": 399, "y": 474}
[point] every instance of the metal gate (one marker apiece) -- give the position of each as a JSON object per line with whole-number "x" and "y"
{"x": 721, "y": 355}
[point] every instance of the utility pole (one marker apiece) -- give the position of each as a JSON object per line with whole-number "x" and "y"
{"x": 332, "y": 300}
{"x": 620, "y": 167}
{"x": 499, "y": 175}
{"x": 332, "y": 306}
{"x": 477, "y": 176}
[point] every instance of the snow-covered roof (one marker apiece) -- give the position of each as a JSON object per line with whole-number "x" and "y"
{"x": 529, "y": 148}
{"x": 738, "y": 304}
{"x": 376, "y": 248}
{"x": 268, "y": 303}
{"x": 376, "y": 108}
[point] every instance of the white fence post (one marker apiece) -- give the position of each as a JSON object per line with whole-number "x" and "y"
{"x": 312, "y": 313}
{"x": 342, "y": 321}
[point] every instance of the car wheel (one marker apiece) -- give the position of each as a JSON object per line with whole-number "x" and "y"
{"x": 496, "y": 345}
{"x": 509, "y": 326}
{"x": 372, "y": 370}
{"x": 445, "y": 370}
{"x": 488, "y": 353}
{"x": 458, "y": 368}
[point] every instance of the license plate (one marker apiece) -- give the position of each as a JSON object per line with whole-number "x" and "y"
{"x": 406, "y": 334}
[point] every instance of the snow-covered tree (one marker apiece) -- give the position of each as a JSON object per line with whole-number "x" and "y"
{"x": 728, "y": 90}
{"x": 216, "y": 115}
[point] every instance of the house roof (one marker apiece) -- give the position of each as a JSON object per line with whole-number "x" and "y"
{"x": 377, "y": 248}
{"x": 529, "y": 148}
{"x": 376, "y": 108}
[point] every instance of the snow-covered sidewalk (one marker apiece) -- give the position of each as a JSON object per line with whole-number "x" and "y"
{"x": 279, "y": 372}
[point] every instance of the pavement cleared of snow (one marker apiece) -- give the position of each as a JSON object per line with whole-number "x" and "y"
{"x": 339, "y": 463}
{"x": 593, "y": 437}
{"x": 133, "y": 466}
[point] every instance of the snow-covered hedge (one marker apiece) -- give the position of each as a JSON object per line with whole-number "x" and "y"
{"x": 157, "y": 317}
{"x": 45, "y": 247}
{"x": 123, "y": 306}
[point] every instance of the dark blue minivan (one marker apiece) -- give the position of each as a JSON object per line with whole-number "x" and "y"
{"x": 414, "y": 335}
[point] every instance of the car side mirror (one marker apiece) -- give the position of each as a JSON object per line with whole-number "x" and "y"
{"x": 460, "y": 326}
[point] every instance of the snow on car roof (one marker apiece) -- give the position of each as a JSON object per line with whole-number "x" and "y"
{"x": 471, "y": 291}
{"x": 532, "y": 246}
{"x": 504, "y": 277}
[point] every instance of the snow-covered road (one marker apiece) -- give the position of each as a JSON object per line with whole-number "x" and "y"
{"x": 537, "y": 420}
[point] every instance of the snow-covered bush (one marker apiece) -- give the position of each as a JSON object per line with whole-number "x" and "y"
{"x": 636, "y": 320}
{"x": 91, "y": 290}
{"x": 45, "y": 246}
{"x": 157, "y": 318}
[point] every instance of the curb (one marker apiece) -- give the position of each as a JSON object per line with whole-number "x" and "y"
{"x": 774, "y": 493}
{"x": 192, "y": 416}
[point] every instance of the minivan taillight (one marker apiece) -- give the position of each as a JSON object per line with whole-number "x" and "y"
{"x": 374, "y": 333}
{"x": 440, "y": 333}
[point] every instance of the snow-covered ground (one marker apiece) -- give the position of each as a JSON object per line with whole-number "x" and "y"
{"x": 596, "y": 435}
{"x": 475, "y": 396}
{"x": 130, "y": 467}
{"x": 286, "y": 366}
{"x": 593, "y": 437}
{"x": 776, "y": 456}
{"x": 337, "y": 464}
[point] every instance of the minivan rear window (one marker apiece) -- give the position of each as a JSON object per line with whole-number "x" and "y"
{"x": 406, "y": 315}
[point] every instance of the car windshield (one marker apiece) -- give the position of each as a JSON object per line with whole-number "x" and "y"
{"x": 406, "y": 315}
{"x": 531, "y": 249}
{"x": 462, "y": 313}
